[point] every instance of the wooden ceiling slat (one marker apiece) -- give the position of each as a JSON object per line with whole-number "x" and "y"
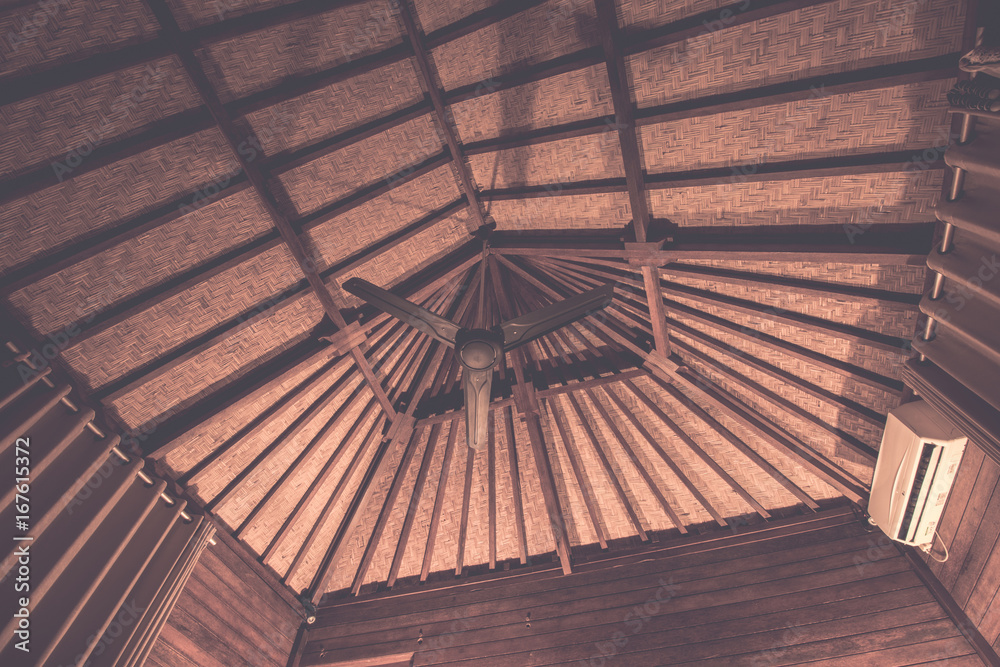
{"x": 734, "y": 440}
{"x": 321, "y": 479}
{"x": 184, "y": 48}
{"x": 311, "y": 447}
{"x": 690, "y": 443}
{"x": 282, "y": 441}
{"x": 841, "y": 403}
{"x": 582, "y": 483}
{"x": 609, "y": 470}
{"x": 529, "y": 411}
{"x": 413, "y": 505}
{"x": 630, "y": 452}
{"x": 515, "y": 483}
{"x": 442, "y": 488}
{"x": 387, "y": 506}
{"x": 491, "y": 464}
{"x": 428, "y": 79}
{"x": 373, "y": 436}
{"x": 757, "y": 389}
{"x": 463, "y": 522}
{"x": 321, "y": 376}
{"x": 823, "y": 468}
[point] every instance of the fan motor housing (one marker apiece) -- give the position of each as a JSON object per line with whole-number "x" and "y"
{"x": 479, "y": 349}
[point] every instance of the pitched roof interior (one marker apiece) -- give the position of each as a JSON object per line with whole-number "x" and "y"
{"x": 126, "y": 215}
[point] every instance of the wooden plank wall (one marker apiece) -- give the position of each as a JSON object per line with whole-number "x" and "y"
{"x": 815, "y": 588}
{"x": 226, "y": 616}
{"x": 970, "y": 527}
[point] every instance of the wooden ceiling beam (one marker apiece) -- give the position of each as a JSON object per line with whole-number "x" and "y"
{"x": 777, "y": 436}
{"x": 442, "y": 488}
{"x": 611, "y": 38}
{"x": 413, "y": 504}
{"x": 184, "y": 48}
{"x": 582, "y": 483}
{"x": 410, "y": 439}
{"x": 428, "y": 79}
{"x": 321, "y": 480}
{"x": 463, "y": 521}
{"x": 528, "y": 408}
{"x": 609, "y": 470}
{"x": 491, "y": 490}
{"x": 623, "y": 442}
{"x": 285, "y": 438}
{"x": 690, "y": 444}
{"x": 755, "y": 388}
{"x": 375, "y": 435}
{"x": 734, "y": 440}
{"x": 515, "y": 484}
{"x": 840, "y": 403}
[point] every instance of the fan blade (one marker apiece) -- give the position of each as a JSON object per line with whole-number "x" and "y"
{"x": 526, "y": 328}
{"x": 435, "y": 326}
{"x": 477, "y": 385}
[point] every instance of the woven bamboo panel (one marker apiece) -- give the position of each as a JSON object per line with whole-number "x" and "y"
{"x": 97, "y": 200}
{"x": 827, "y": 38}
{"x": 506, "y": 515}
{"x": 445, "y": 555}
{"x": 894, "y": 278}
{"x": 828, "y": 412}
{"x": 412, "y": 255}
{"x": 66, "y": 124}
{"x": 580, "y": 158}
{"x": 205, "y": 439}
{"x": 887, "y": 318}
{"x": 881, "y": 361}
{"x": 716, "y": 491}
{"x": 192, "y": 13}
{"x": 600, "y": 211}
{"x": 147, "y": 334}
{"x": 536, "y": 519}
{"x": 35, "y": 35}
{"x": 853, "y": 201}
{"x": 862, "y": 393}
{"x": 218, "y": 366}
{"x": 790, "y": 467}
{"x": 888, "y": 119}
{"x": 571, "y": 96}
{"x": 367, "y": 224}
{"x": 253, "y": 62}
{"x": 641, "y": 14}
{"x": 90, "y": 286}
{"x": 651, "y": 515}
{"x": 579, "y": 525}
{"x": 386, "y": 547}
{"x": 616, "y": 521}
{"x": 436, "y": 14}
{"x": 328, "y": 526}
{"x": 337, "y": 108}
{"x": 810, "y": 435}
{"x": 384, "y": 157}
{"x": 544, "y": 32}
{"x": 265, "y": 475}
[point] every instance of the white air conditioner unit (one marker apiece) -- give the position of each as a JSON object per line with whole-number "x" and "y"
{"x": 916, "y": 466}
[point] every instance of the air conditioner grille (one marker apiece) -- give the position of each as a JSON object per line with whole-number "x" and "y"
{"x": 911, "y": 506}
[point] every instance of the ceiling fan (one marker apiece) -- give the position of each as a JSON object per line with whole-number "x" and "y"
{"x": 479, "y": 350}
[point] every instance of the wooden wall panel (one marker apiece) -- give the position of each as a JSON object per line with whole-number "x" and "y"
{"x": 227, "y": 615}
{"x": 970, "y": 527}
{"x": 812, "y": 588}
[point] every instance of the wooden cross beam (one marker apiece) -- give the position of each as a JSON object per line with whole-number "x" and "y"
{"x": 184, "y": 48}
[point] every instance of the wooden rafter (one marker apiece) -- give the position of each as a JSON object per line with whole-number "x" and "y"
{"x": 428, "y": 79}
{"x": 463, "y": 521}
{"x": 515, "y": 484}
{"x": 184, "y": 48}
{"x": 528, "y": 408}
{"x": 442, "y": 488}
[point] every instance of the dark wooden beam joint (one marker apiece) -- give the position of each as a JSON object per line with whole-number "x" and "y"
{"x": 344, "y": 340}
{"x": 402, "y": 427}
{"x": 645, "y": 254}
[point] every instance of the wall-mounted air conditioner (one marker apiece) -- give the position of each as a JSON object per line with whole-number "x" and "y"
{"x": 916, "y": 466}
